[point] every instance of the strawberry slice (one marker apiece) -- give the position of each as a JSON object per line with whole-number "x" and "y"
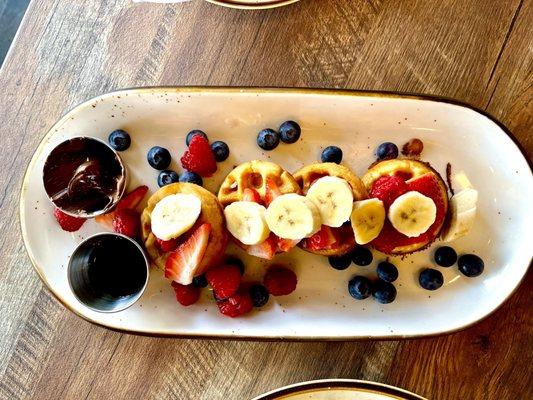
{"x": 133, "y": 198}
{"x": 129, "y": 202}
{"x": 251, "y": 195}
{"x": 167, "y": 245}
{"x": 271, "y": 191}
{"x": 322, "y": 240}
{"x": 286, "y": 244}
{"x": 266, "y": 250}
{"x": 183, "y": 262}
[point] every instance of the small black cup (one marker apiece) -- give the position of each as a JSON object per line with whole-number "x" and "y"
{"x": 108, "y": 272}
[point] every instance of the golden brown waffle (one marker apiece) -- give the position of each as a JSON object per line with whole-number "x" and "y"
{"x": 254, "y": 174}
{"x": 309, "y": 174}
{"x": 211, "y": 213}
{"x": 406, "y": 169}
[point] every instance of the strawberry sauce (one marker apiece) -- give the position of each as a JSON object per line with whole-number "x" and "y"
{"x": 390, "y": 238}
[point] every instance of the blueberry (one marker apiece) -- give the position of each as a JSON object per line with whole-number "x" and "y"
{"x": 386, "y": 151}
{"x": 191, "y": 177}
{"x": 167, "y": 177}
{"x": 158, "y": 157}
{"x": 220, "y": 150}
{"x": 445, "y": 256}
{"x": 387, "y": 271}
{"x": 331, "y": 154}
{"x": 340, "y": 262}
{"x": 384, "y": 292}
{"x": 360, "y": 287}
{"x": 259, "y": 295}
{"x": 194, "y": 133}
{"x": 361, "y": 256}
{"x": 199, "y": 281}
{"x": 471, "y": 265}
{"x": 290, "y": 132}
{"x": 268, "y": 139}
{"x": 236, "y": 261}
{"x": 119, "y": 140}
{"x": 430, "y": 279}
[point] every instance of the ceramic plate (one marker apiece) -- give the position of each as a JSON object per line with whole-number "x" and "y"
{"x": 320, "y": 308}
{"x": 252, "y": 4}
{"x": 339, "y": 389}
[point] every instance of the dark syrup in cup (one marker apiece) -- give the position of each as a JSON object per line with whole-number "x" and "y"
{"x": 108, "y": 272}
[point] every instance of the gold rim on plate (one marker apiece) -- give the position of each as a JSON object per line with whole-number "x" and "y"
{"x": 249, "y": 6}
{"x": 354, "y": 386}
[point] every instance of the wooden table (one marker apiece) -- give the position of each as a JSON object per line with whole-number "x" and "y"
{"x": 476, "y": 51}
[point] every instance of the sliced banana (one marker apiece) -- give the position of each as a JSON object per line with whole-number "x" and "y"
{"x": 333, "y": 197}
{"x": 368, "y": 217}
{"x": 246, "y": 222}
{"x": 174, "y": 215}
{"x": 291, "y": 216}
{"x": 412, "y": 213}
{"x": 463, "y": 207}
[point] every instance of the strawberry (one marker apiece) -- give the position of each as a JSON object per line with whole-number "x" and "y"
{"x": 238, "y": 304}
{"x": 129, "y": 201}
{"x": 271, "y": 190}
{"x": 67, "y": 222}
{"x": 285, "y": 244}
{"x": 280, "y": 281}
{"x": 251, "y": 195}
{"x": 388, "y": 188}
{"x": 186, "y": 294}
{"x": 426, "y": 184}
{"x": 133, "y": 198}
{"x": 322, "y": 240}
{"x": 127, "y": 222}
{"x": 182, "y": 263}
{"x": 224, "y": 280}
{"x": 266, "y": 250}
{"x": 199, "y": 157}
{"x": 167, "y": 245}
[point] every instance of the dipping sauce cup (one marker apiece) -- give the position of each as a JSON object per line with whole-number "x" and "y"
{"x": 84, "y": 177}
{"x": 108, "y": 272}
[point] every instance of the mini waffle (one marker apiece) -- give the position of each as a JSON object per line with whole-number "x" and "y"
{"x": 254, "y": 174}
{"x": 408, "y": 170}
{"x": 211, "y": 213}
{"x": 309, "y": 174}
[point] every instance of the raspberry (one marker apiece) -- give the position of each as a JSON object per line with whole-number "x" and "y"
{"x": 67, "y": 222}
{"x": 224, "y": 280}
{"x": 280, "y": 281}
{"x": 238, "y": 304}
{"x": 388, "y": 188}
{"x": 167, "y": 245}
{"x": 199, "y": 157}
{"x": 186, "y": 294}
{"x": 126, "y": 222}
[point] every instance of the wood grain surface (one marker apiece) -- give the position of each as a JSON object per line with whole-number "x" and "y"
{"x": 476, "y": 51}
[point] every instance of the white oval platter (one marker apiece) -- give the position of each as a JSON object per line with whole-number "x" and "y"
{"x": 321, "y": 307}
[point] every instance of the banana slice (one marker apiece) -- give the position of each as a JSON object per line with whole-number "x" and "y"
{"x": 368, "y": 217}
{"x": 246, "y": 221}
{"x": 174, "y": 215}
{"x": 291, "y": 216}
{"x": 463, "y": 207}
{"x": 412, "y": 213}
{"x": 333, "y": 197}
